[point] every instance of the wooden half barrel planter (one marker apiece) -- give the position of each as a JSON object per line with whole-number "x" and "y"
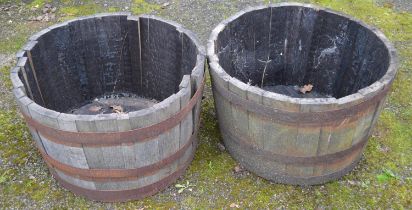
{"x": 113, "y": 102}
{"x": 261, "y": 57}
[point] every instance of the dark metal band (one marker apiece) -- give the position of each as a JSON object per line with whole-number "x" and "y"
{"x": 99, "y": 139}
{"x": 123, "y": 195}
{"x": 307, "y": 118}
{"x": 293, "y": 160}
{"x": 102, "y": 175}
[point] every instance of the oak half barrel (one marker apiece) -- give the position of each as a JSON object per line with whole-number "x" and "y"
{"x": 112, "y": 102}
{"x": 262, "y": 58}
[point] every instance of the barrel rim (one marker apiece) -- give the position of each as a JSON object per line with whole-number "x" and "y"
{"x": 325, "y": 103}
{"x": 22, "y": 97}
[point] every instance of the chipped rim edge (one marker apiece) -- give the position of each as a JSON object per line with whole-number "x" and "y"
{"x": 384, "y": 82}
{"x": 23, "y": 98}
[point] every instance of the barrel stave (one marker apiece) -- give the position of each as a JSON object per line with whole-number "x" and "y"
{"x": 139, "y": 165}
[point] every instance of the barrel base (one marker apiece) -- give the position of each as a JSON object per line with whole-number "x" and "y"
{"x": 125, "y": 195}
{"x": 284, "y": 179}
{"x": 275, "y": 172}
{"x": 120, "y": 196}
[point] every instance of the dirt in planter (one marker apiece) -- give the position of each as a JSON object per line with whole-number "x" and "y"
{"x": 113, "y": 103}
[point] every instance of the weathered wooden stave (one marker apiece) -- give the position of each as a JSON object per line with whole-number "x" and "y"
{"x": 277, "y": 136}
{"x": 140, "y": 166}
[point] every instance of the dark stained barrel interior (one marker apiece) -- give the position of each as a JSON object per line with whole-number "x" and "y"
{"x": 82, "y": 60}
{"x": 150, "y": 71}
{"x": 282, "y": 48}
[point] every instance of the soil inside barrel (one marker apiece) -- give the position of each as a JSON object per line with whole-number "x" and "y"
{"x": 113, "y": 103}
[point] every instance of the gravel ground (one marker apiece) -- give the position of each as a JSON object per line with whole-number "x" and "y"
{"x": 202, "y": 16}
{"x": 400, "y": 5}
{"x": 6, "y": 59}
{"x": 199, "y": 16}
{"x": 193, "y": 13}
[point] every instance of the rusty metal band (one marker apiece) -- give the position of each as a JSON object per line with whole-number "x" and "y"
{"x": 108, "y": 174}
{"x": 309, "y": 118}
{"x": 242, "y": 142}
{"x": 124, "y": 195}
{"x": 97, "y": 139}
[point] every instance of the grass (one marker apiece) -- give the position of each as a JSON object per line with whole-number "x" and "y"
{"x": 38, "y": 3}
{"x": 89, "y": 7}
{"x": 12, "y": 44}
{"x": 141, "y": 6}
{"x": 81, "y": 10}
{"x": 69, "y": 9}
{"x": 382, "y": 180}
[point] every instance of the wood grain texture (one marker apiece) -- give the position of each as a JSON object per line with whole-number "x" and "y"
{"x": 239, "y": 115}
{"x": 186, "y": 126}
{"x": 169, "y": 141}
{"x": 256, "y": 130}
{"x": 36, "y": 137}
{"x": 73, "y": 156}
{"x": 76, "y": 181}
{"x": 262, "y": 53}
{"x": 223, "y": 107}
{"x": 141, "y": 119}
{"x": 45, "y": 116}
{"x": 102, "y": 55}
{"x": 197, "y": 78}
{"x": 146, "y": 180}
{"x": 23, "y": 103}
{"x": 135, "y": 52}
{"x": 161, "y": 44}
